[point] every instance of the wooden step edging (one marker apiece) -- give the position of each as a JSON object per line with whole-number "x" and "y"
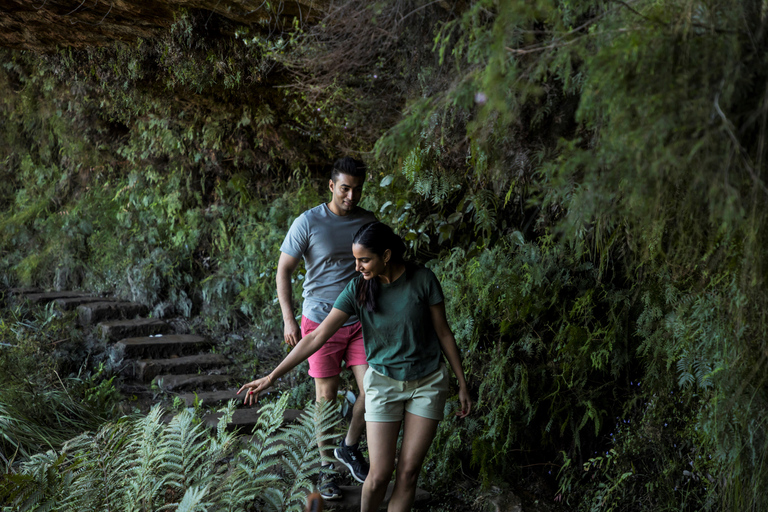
{"x": 147, "y": 369}
{"x": 71, "y": 303}
{"x": 94, "y": 312}
{"x": 210, "y": 398}
{"x": 165, "y": 345}
{"x": 118, "y": 329}
{"x": 46, "y": 297}
{"x": 186, "y": 382}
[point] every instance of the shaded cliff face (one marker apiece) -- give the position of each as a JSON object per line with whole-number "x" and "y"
{"x": 43, "y": 25}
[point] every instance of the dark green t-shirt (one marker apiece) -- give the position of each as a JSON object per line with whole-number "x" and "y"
{"x": 400, "y": 340}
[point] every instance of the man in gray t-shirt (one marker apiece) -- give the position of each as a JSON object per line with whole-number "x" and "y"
{"x": 323, "y": 237}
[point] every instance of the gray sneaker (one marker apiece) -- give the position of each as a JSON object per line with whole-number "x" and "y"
{"x": 351, "y": 457}
{"x": 328, "y": 486}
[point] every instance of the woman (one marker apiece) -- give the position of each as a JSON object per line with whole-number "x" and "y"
{"x": 405, "y": 331}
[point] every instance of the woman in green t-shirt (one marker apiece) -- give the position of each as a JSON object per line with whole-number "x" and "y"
{"x": 402, "y": 310}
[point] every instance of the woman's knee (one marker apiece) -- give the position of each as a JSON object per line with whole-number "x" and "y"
{"x": 408, "y": 475}
{"x": 379, "y": 478}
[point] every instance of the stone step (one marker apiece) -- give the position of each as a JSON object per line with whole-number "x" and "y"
{"x": 45, "y": 297}
{"x": 246, "y": 418}
{"x": 147, "y": 369}
{"x": 186, "y": 382}
{"x": 118, "y": 329}
{"x": 163, "y": 346}
{"x": 211, "y": 398}
{"x": 217, "y": 398}
{"x": 71, "y": 303}
{"x": 95, "y": 312}
{"x": 23, "y": 291}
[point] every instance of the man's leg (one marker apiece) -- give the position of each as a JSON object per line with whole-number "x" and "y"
{"x": 357, "y": 425}
{"x": 324, "y": 367}
{"x": 326, "y": 389}
{"x": 348, "y": 452}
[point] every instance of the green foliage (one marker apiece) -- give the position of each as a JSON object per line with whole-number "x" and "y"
{"x": 587, "y": 179}
{"x": 148, "y": 464}
{"x": 147, "y": 182}
{"x": 47, "y": 392}
{"x": 548, "y": 340}
{"x": 622, "y": 144}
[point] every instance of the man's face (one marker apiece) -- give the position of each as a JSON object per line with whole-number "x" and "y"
{"x": 346, "y": 192}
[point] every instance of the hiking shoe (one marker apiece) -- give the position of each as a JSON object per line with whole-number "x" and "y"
{"x": 329, "y": 487}
{"x": 351, "y": 457}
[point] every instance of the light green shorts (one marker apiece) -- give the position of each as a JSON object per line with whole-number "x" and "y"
{"x": 386, "y": 399}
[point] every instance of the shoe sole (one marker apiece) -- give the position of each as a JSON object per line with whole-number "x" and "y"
{"x": 331, "y": 497}
{"x": 349, "y": 467}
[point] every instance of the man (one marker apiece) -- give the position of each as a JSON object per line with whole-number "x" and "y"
{"x": 323, "y": 237}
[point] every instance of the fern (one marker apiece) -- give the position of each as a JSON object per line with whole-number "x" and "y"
{"x": 143, "y": 485}
{"x": 145, "y": 464}
{"x": 192, "y": 501}
{"x": 299, "y": 452}
{"x": 96, "y": 462}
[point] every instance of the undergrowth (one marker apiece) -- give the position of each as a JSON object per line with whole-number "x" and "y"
{"x": 149, "y": 464}
{"x": 52, "y": 389}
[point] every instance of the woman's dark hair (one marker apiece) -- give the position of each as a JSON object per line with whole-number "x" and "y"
{"x": 377, "y": 237}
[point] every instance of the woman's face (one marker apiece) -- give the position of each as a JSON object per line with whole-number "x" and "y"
{"x": 367, "y": 262}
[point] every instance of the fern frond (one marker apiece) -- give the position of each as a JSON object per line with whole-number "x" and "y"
{"x": 192, "y": 501}
{"x": 228, "y": 412}
{"x": 47, "y": 484}
{"x": 144, "y": 483}
{"x": 685, "y": 378}
{"x": 300, "y": 456}
{"x": 186, "y": 458}
{"x": 97, "y": 468}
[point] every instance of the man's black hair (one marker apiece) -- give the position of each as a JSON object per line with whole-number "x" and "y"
{"x": 348, "y": 166}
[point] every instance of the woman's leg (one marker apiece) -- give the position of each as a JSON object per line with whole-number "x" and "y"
{"x": 418, "y": 433}
{"x": 382, "y": 444}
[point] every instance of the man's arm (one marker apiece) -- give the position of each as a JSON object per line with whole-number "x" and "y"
{"x": 286, "y": 266}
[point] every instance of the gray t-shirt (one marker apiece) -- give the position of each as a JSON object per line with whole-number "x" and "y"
{"x": 324, "y": 240}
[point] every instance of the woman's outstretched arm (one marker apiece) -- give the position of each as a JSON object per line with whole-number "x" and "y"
{"x": 451, "y": 351}
{"x": 307, "y": 346}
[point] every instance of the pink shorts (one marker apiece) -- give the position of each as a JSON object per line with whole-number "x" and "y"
{"x": 346, "y": 344}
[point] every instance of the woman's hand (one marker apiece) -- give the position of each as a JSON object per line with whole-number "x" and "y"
{"x": 466, "y": 402}
{"x": 253, "y": 388}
